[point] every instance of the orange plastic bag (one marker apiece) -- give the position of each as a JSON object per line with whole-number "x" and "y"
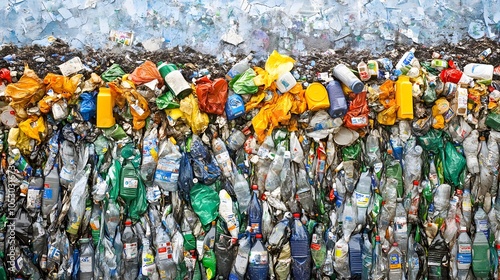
{"x": 388, "y": 116}
{"x": 299, "y": 104}
{"x": 281, "y": 111}
{"x": 62, "y": 84}
{"x": 357, "y": 116}
{"x": 118, "y": 93}
{"x": 255, "y": 101}
{"x": 387, "y": 97}
{"x": 29, "y": 89}
{"x": 138, "y": 107}
{"x": 145, "y": 73}
{"x": 212, "y": 96}
{"x": 33, "y": 127}
{"x": 45, "y": 104}
{"x": 261, "y": 124}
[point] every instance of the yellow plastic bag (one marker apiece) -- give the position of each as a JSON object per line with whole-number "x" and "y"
{"x": 33, "y": 127}
{"x": 278, "y": 64}
{"x": 118, "y": 93}
{"x": 62, "y": 84}
{"x": 263, "y": 78}
{"x": 254, "y": 102}
{"x": 281, "y": 111}
{"x": 299, "y": 104}
{"x": 261, "y": 125}
{"x": 197, "y": 120}
{"x": 29, "y": 89}
{"x": 138, "y": 107}
{"x": 440, "y": 107}
{"x": 388, "y": 116}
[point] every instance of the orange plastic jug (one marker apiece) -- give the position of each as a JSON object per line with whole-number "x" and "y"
{"x": 317, "y": 97}
{"x": 105, "y": 104}
{"x": 404, "y": 97}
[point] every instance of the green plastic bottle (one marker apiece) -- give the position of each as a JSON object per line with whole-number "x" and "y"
{"x": 129, "y": 182}
{"x": 481, "y": 263}
{"x": 209, "y": 262}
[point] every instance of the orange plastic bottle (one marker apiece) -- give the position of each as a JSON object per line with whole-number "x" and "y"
{"x": 105, "y": 104}
{"x": 404, "y": 97}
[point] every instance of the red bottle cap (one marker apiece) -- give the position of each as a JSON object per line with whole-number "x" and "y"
{"x": 377, "y": 238}
{"x": 255, "y": 187}
{"x": 415, "y": 183}
{"x": 296, "y": 215}
{"x": 395, "y": 244}
{"x": 128, "y": 223}
{"x": 258, "y": 236}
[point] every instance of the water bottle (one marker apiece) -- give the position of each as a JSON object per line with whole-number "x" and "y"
{"x": 258, "y": 264}
{"x": 318, "y": 246}
{"x": 130, "y": 254}
{"x": 112, "y": 217}
{"x": 255, "y": 212}
{"x": 355, "y": 255}
{"x": 348, "y": 219}
{"x": 164, "y": 259}
{"x": 222, "y": 156}
{"x": 362, "y": 194}
{"x": 378, "y": 266}
{"x": 51, "y": 189}
{"x": 464, "y": 256}
{"x": 481, "y": 262}
{"x": 236, "y": 140}
{"x": 239, "y": 67}
{"x": 400, "y": 227}
{"x": 366, "y": 256}
{"x": 273, "y": 180}
{"x": 395, "y": 257}
{"x": 241, "y": 262}
{"x": 413, "y": 260}
{"x": 338, "y": 104}
{"x": 242, "y": 192}
{"x": 481, "y": 221}
{"x": 466, "y": 209}
{"x": 85, "y": 271}
{"x": 299, "y": 244}
{"x": 35, "y": 189}
{"x": 169, "y": 161}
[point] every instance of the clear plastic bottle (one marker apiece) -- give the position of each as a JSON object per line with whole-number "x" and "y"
{"x": 299, "y": 244}
{"x": 258, "y": 263}
{"x": 466, "y": 209}
{"x": 68, "y": 170}
{"x": 118, "y": 247}
{"x": 348, "y": 219}
{"x": 464, "y": 256}
{"x": 130, "y": 251}
{"x": 395, "y": 257}
{"x": 412, "y": 167}
{"x": 362, "y": 194}
{"x": 240, "y": 264}
{"x": 378, "y": 267}
{"x": 442, "y": 200}
{"x": 242, "y": 191}
{"x": 222, "y": 156}
{"x": 240, "y": 67}
{"x": 481, "y": 221}
{"x": 273, "y": 179}
{"x": 85, "y": 271}
{"x": 485, "y": 172}
{"x": 236, "y": 140}
{"x": 400, "y": 227}
{"x": 341, "y": 263}
{"x": 255, "y": 212}
{"x": 148, "y": 266}
{"x": 112, "y": 217}
{"x": 412, "y": 260}
{"x": 367, "y": 257}
{"x": 35, "y": 192}
{"x": 164, "y": 261}
{"x": 227, "y": 214}
{"x": 51, "y": 189}
{"x": 471, "y": 147}
{"x": 167, "y": 170}
{"x": 318, "y": 246}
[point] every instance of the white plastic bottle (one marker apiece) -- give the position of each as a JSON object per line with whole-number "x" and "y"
{"x": 362, "y": 194}
{"x": 464, "y": 256}
{"x": 479, "y": 71}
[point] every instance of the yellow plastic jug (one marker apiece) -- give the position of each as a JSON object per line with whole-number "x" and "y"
{"x": 404, "y": 97}
{"x": 105, "y": 104}
{"x": 317, "y": 97}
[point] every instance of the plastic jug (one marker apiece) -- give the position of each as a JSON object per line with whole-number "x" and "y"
{"x": 285, "y": 82}
{"x": 317, "y": 97}
{"x": 105, "y": 104}
{"x": 404, "y": 97}
{"x": 174, "y": 79}
{"x": 345, "y": 75}
{"x": 338, "y": 104}
{"x": 129, "y": 182}
{"x": 481, "y": 263}
{"x": 235, "y": 107}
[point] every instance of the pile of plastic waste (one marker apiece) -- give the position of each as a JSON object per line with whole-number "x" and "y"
{"x": 385, "y": 171}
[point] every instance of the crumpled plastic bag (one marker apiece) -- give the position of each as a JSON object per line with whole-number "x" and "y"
{"x": 243, "y": 83}
{"x": 212, "y": 95}
{"x": 440, "y": 107}
{"x": 167, "y": 101}
{"x": 62, "y": 84}
{"x": 138, "y": 107}
{"x": 261, "y": 124}
{"x": 299, "y": 104}
{"x": 387, "y": 97}
{"x": 88, "y": 105}
{"x": 139, "y": 205}
{"x": 205, "y": 167}
{"x": 29, "y": 89}
{"x": 454, "y": 163}
{"x": 432, "y": 141}
{"x": 197, "y": 120}
{"x": 33, "y": 127}
{"x": 145, "y": 73}
{"x": 357, "y": 116}
{"x": 278, "y": 64}
{"x": 205, "y": 202}
{"x": 112, "y": 73}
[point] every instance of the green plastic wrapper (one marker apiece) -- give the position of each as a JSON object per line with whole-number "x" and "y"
{"x": 139, "y": 205}
{"x": 205, "y": 202}
{"x": 377, "y": 206}
{"x": 189, "y": 241}
{"x": 493, "y": 121}
{"x": 113, "y": 179}
{"x": 432, "y": 141}
{"x": 394, "y": 170}
{"x": 352, "y": 152}
{"x": 454, "y": 164}
{"x": 243, "y": 84}
{"x": 167, "y": 101}
{"x": 112, "y": 73}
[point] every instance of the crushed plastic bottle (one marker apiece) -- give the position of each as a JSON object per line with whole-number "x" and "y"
{"x": 299, "y": 244}
{"x": 130, "y": 251}
{"x": 258, "y": 264}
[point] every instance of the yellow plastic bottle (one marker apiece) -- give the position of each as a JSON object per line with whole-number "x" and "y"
{"x": 404, "y": 97}
{"x": 317, "y": 97}
{"x": 105, "y": 104}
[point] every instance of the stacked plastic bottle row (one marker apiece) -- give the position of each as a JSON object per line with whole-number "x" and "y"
{"x": 260, "y": 175}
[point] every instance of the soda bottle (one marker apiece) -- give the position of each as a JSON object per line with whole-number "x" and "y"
{"x": 51, "y": 189}
{"x": 362, "y": 195}
{"x": 481, "y": 262}
{"x": 164, "y": 262}
{"x": 273, "y": 179}
{"x": 400, "y": 227}
{"x": 299, "y": 244}
{"x": 35, "y": 191}
{"x": 255, "y": 212}
{"x": 85, "y": 271}
{"x": 258, "y": 266}
{"x": 464, "y": 256}
{"x": 355, "y": 255}
{"x": 395, "y": 262}
{"x": 130, "y": 247}
{"x": 318, "y": 246}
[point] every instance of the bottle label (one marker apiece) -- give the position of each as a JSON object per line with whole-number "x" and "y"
{"x": 224, "y": 161}
{"x": 362, "y": 200}
{"x": 167, "y": 170}
{"x": 258, "y": 258}
{"x": 394, "y": 261}
{"x": 130, "y": 250}
{"x": 466, "y": 204}
{"x": 130, "y": 183}
{"x": 47, "y": 192}
{"x": 464, "y": 256}
{"x": 54, "y": 254}
{"x": 359, "y": 120}
{"x": 315, "y": 242}
{"x": 255, "y": 227}
{"x": 86, "y": 264}
{"x": 95, "y": 224}
{"x": 34, "y": 199}
{"x": 400, "y": 224}
{"x": 165, "y": 251}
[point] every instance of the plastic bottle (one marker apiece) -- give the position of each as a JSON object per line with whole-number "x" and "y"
{"x": 86, "y": 269}
{"x": 412, "y": 167}
{"x": 439, "y": 64}
{"x": 164, "y": 261}
{"x": 395, "y": 257}
{"x": 318, "y": 246}
{"x": 258, "y": 264}
{"x": 95, "y": 222}
{"x": 464, "y": 256}
{"x": 35, "y": 192}
{"x": 209, "y": 261}
{"x": 345, "y": 75}
{"x": 273, "y": 179}
{"x": 481, "y": 262}
{"x": 112, "y": 217}
{"x": 240, "y": 67}
{"x": 362, "y": 195}
{"x": 167, "y": 170}
{"x": 406, "y": 59}
{"x": 349, "y": 218}
{"x": 227, "y": 214}
{"x": 471, "y": 146}
{"x": 413, "y": 260}
{"x": 479, "y": 71}
{"x": 242, "y": 191}
{"x": 299, "y": 244}
{"x": 355, "y": 255}
{"x": 279, "y": 235}
{"x": 118, "y": 247}
{"x": 466, "y": 209}
{"x": 438, "y": 258}
{"x": 442, "y": 200}
{"x": 378, "y": 266}
{"x": 255, "y": 212}
{"x": 341, "y": 263}
{"x": 367, "y": 257}
{"x": 400, "y": 227}
{"x": 105, "y": 104}
{"x": 404, "y": 97}
{"x": 51, "y": 189}
{"x": 130, "y": 251}
{"x": 129, "y": 182}
{"x": 481, "y": 221}
{"x": 148, "y": 266}
{"x": 235, "y": 106}
{"x": 174, "y": 79}
{"x": 364, "y": 75}
{"x": 240, "y": 264}
{"x": 338, "y": 104}
{"x": 236, "y": 140}
{"x": 485, "y": 172}
{"x": 222, "y": 156}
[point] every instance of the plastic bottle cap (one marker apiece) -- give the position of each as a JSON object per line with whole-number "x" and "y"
{"x": 213, "y": 223}
{"x": 498, "y": 246}
{"x": 128, "y": 223}
{"x": 415, "y": 183}
{"x": 482, "y": 138}
{"x": 255, "y": 187}
{"x": 258, "y": 236}
{"x": 377, "y": 238}
{"x": 463, "y": 229}
{"x": 195, "y": 180}
{"x": 296, "y": 215}
{"x": 395, "y": 244}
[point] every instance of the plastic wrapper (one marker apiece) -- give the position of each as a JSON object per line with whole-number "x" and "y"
{"x": 112, "y": 73}
{"x": 145, "y": 73}
{"x": 357, "y": 115}
{"x": 29, "y": 89}
{"x": 200, "y": 194}
{"x": 197, "y": 120}
{"x": 454, "y": 163}
{"x": 243, "y": 83}
{"x": 88, "y": 105}
{"x": 212, "y": 95}
{"x": 33, "y": 127}
{"x": 167, "y": 101}
{"x": 62, "y": 85}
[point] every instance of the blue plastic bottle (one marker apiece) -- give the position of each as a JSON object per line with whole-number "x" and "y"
{"x": 258, "y": 262}
{"x": 338, "y": 104}
{"x": 301, "y": 252}
{"x": 235, "y": 107}
{"x": 255, "y": 212}
{"x": 355, "y": 251}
